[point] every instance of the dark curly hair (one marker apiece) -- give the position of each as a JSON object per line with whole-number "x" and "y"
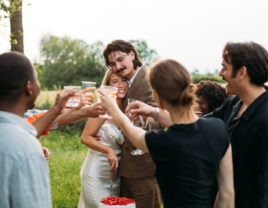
{"x": 212, "y": 92}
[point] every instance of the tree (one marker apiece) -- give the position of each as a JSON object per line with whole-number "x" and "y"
{"x": 69, "y": 61}
{"x": 147, "y": 55}
{"x": 14, "y": 13}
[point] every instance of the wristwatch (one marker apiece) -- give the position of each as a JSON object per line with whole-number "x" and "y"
{"x": 156, "y": 114}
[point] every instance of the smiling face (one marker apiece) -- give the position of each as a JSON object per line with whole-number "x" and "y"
{"x": 227, "y": 74}
{"x": 122, "y": 63}
{"x": 119, "y": 82}
{"x": 203, "y": 106}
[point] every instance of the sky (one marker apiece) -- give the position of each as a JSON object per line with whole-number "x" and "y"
{"x": 192, "y": 32}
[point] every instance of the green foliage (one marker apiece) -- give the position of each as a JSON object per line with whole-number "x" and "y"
{"x": 197, "y": 78}
{"x": 39, "y": 72}
{"x": 69, "y": 61}
{"x": 65, "y": 162}
{"x": 147, "y": 55}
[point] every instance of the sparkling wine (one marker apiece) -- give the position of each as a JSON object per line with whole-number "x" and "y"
{"x": 111, "y": 93}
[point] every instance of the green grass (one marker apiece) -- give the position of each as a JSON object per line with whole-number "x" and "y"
{"x": 45, "y": 99}
{"x": 66, "y": 158}
{"x": 67, "y": 155}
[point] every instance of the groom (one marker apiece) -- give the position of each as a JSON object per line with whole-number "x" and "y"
{"x": 137, "y": 172}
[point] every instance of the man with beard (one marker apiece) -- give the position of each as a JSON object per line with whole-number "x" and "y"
{"x": 24, "y": 175}
{"x": 137, "y": 172}
{"x": 245, "y": 69}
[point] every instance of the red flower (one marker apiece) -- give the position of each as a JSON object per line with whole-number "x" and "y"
{"x": 117, "y": 201}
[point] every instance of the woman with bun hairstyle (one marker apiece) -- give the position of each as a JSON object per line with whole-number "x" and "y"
{"x": 191, "y": 152}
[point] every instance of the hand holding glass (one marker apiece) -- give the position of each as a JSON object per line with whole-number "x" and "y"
{"x": 138, "y": 124}
{"x": 86, "y": 84}
{"x": 76, "y": 98}
{"x": 111, "y": 91}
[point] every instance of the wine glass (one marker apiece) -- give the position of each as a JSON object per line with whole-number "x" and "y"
{"x": 86, "y": 84}
{"x": 111, "y": 91}
{"x": 141, "y": 124}
{"x": 75, "y": 100}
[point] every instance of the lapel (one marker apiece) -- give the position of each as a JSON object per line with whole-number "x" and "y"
{"x": 135, "y": 86}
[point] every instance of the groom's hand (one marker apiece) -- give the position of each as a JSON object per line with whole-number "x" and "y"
{"x": 97, "y": 137}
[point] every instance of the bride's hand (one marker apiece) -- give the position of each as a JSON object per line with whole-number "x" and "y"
{"x": 112, "y": 159}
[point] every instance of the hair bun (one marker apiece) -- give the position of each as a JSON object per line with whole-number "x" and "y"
{"x": 188, "y": 94}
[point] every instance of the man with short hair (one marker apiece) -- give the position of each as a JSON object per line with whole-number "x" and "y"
{"x": 245, "y": 69}
{"x": 137, "y": 172}
{"x": 24, "y": 175}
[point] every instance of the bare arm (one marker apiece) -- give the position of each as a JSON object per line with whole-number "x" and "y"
{"x": 92, "y": 127}
{"x": 225, "y": 197}
{"x": 92, "y": 111}
{"x": 134, "y": 134}
{"x": 44, "y": 121}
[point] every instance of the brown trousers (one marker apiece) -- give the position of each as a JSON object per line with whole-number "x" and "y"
{"x": 145, "y": 191}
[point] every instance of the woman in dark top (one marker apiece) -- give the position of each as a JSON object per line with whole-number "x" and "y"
{"x": 191, "y": 151}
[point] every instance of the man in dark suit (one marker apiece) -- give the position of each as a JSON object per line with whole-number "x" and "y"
{"x": 137, "y": 172}
{"x": 245, "y": 69}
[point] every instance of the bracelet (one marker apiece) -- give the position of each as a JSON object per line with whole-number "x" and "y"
{"x": 156, "y": 114}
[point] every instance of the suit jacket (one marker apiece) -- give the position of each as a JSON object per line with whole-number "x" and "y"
{"x": 141, "y": 166}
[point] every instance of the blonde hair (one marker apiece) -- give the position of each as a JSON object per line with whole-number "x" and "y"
{"x": 107, "y": 77}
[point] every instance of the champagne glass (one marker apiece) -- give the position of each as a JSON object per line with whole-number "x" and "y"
{"x": 111, "y": 91}
{"x": 75, "y": 100}
{"x": 86, "y": 84}
{"x": 141, "y": 124}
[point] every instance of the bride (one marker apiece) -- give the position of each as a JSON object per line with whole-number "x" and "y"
{"x": 101, "y": 162}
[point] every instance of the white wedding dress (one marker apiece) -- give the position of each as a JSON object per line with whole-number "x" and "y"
{"x": 95, "y": 172}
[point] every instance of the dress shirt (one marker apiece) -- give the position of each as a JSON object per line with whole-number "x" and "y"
{"x": 132, "y": 79}
{"x": 24, "y": 175}
{"x": 249, "y": 139}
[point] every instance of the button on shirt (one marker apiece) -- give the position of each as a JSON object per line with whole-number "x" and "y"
{"x": 249, "y": 139}
{"x": 24, "y": 174}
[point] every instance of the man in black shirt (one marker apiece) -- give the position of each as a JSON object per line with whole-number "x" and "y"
{"x": 245, "y": 69}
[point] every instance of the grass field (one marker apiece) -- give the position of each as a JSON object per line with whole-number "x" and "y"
{"x": 67, "y": 155}
{"x": 46, "y": 99}
{"x": 66, "y": 159}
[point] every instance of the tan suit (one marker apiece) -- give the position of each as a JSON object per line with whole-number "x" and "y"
{"x": 138, "y": 171}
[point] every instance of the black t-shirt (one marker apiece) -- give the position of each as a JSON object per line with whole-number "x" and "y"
{"x": 187, "y": 157}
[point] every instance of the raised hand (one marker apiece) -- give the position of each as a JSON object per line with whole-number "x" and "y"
{"x": 95, "y": 110}
{"x": 141, "y": 109}
{"x": 88, "y": 97}
{"x": 62, "y": 99}
{"x": 106, "y": 101}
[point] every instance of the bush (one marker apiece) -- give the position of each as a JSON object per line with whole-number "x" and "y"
{"x": 197, "y": 78}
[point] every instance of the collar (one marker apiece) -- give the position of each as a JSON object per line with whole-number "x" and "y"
{"x": 6, "y": 117}
{"x": 253, "y": 106}
{"x": 133, "y": 78}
